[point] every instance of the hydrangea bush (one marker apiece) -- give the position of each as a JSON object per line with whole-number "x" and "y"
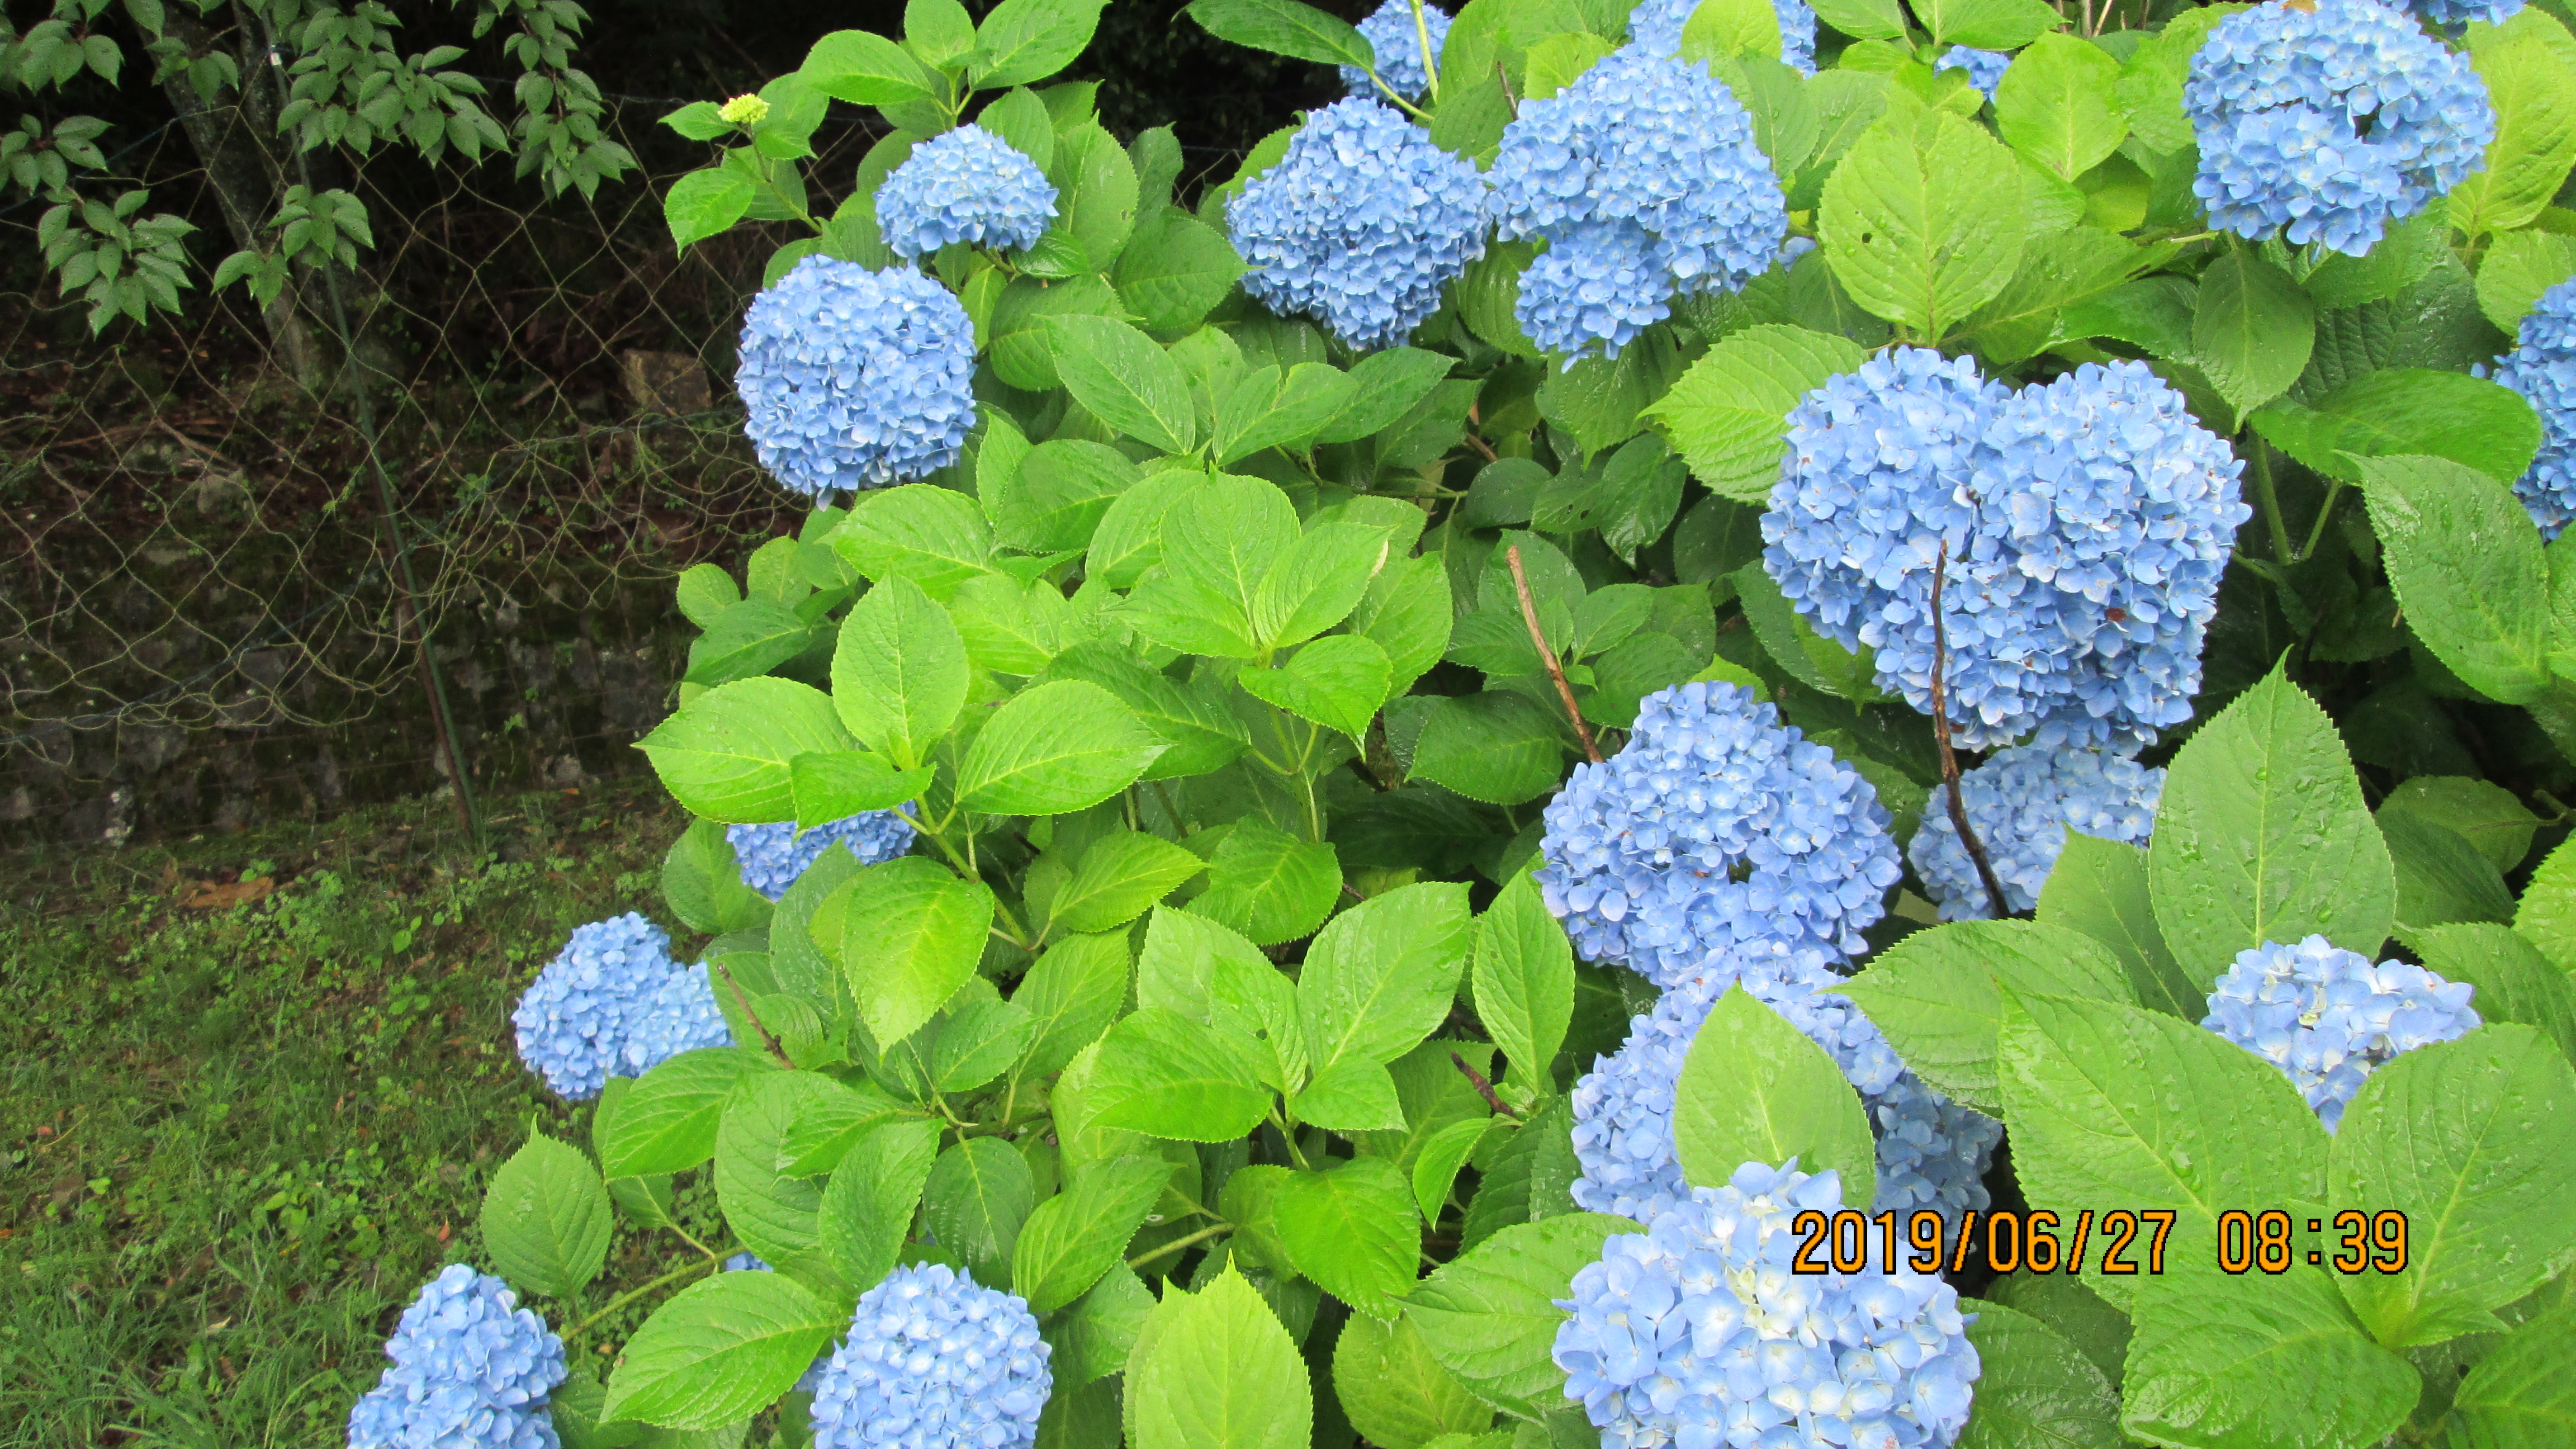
{"x": 1627, "y": 747}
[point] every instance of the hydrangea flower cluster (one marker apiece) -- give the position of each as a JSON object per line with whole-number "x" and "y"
{"x": 856, "y": 379}
{"x": 965, "y": 185}
{"x": 1397, "y": 42}
{"x": 2542, "y": 367}
{"x": 1716, "y": 829}
{"x": 577, "y": 1017}
{"x": 1360, "y": 225}
{"x": 934, "y": 1360}
{"x": 2326, "y": 121}
{"x": 2329, "y": 1017}
{"x": 2088, "y": 522}
{"x": 773, "y": 856}
{"x": 1643, "y": 170}
{"x": 1657, "y": 25}
{"x": 2021, "y": 802}
{"x": 2453, "y": 15}
{"x": 1985, "y": 68}
{"x": 471, "y": 1370}
{"x": 682, "y": 1018}
{"x": 1932, "y": 1152}
{"x": 614, "y": 1004}
{"x": 1697, "y": 1333}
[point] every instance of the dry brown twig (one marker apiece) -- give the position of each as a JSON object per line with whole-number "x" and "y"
{"x": 1547, "y": 656}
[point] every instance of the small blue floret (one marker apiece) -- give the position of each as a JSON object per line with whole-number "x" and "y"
{"x": 1657, "y": 26}
{"x": 932, "y": 1361}
{"x": 855, "y": 379}
{"x": 682, "y": 1018}
{"x": 2088, "y": 522}
{"x": 576, "y": 1018}
{"x": 2328, "y": 1017}
{"x": 1396, "y": 40}
{"x": 1985, "y": 68}
{"x": 1360, "y": 225}
{"x": 2021, "y": 803}
{"x": 1717, "y": 837}
{"x": 1698, "y": 1333}
{"x": 965, "y": 185}
{"x": 2542, "y": 367}
{"x": 773, "y": 856}
{"x": 2325, "y": 121}
{"x": 1644, "y": 167}
{"x": 471, "y": 1370}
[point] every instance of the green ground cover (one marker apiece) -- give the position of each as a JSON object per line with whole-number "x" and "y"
{"x": 240, "y": 1133}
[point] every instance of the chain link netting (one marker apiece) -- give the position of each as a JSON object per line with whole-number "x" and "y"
{"x": 200, "y": 620}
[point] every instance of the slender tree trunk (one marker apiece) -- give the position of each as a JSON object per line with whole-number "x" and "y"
{"x": 236, "y": 137}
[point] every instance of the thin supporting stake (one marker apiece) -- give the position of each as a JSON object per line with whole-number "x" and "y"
{"x": 1949, "y": 760}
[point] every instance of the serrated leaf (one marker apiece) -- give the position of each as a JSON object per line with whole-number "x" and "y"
{"x": 546, "y": 1218}
{"x": 727, "y": 754}
{"x": 1753, "y": 1088}
{"x": 2252, "y": 330}
{"x": 1728, "y": 415}
{"x": 2055, "y": 105}
{"x": 1907, "y": 223}
{"x": 1054, "y": 748}
{"x": 2443, "y": 1135}
{"x": 910, "y": 936}
{"x": 1352, "y": 1228}
{"x": 2261, "y": 835}
{"x": 1119, "y": 877}
{"x": 1938, "y": 994}
{"x": 719, "y": 1351}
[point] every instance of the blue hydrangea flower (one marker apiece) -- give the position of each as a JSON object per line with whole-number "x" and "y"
{"x": 2542, "y": 367}
{"x": 2452, "y": 15}
{"x": 1657, "y": 26}
{"x": 2328, "y": 1017}
{"x": 1697, "y": 1333}
{"x": 933, "y": 1361}
{"x": 471, "y": 1370}
{"x": 1392, "y": 34}
{"x": 683, "y": 1017}
{"x": 2326, "y": 122}
{"x": 2021, "y": 803}
{"x": 1932, "y": 1152}
{"x": 1716, "y": 829}
{"x": 773, "y": 856}
{"x": 812, "y": 1378}
{"x": 2088, "y": 522}
{"x": 1597, "y": 282}
{"x": 1360, "y": 225}
{"x": 575, "y": 1020}
{"x": 856, "y": 379}
{"x": 1985, "y": 68}
{"x": 1644, "y": 165}
{"x": 965, "y": 185}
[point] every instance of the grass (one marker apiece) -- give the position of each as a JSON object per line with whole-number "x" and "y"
{"x": 242, "y": 1128}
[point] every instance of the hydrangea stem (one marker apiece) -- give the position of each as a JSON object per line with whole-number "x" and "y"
{"x": 1949, "y": 759}
{"x": 767, "y": 1039}
{"x": 1430, "y": 62}
{"x": 1547, "y": 656}
{"x": 1484, "y": 1088}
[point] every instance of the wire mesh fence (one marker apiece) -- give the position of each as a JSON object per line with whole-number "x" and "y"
{"x": 201, "y": 620}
